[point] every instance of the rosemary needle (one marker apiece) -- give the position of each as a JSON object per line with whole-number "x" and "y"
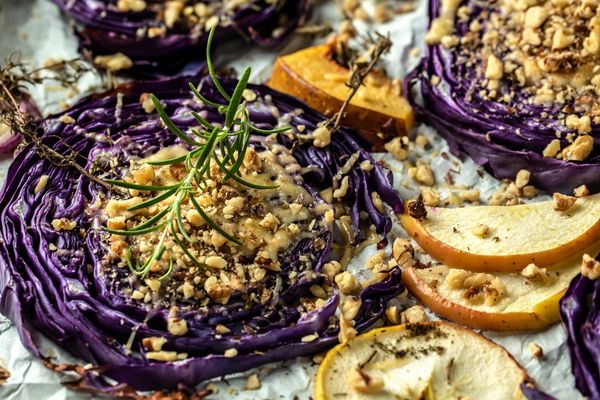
{"x": 225, "y": 146}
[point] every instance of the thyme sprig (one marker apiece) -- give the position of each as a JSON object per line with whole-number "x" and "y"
{"x": 224, "y": 145}
{"x": 361, "y": 65}
{"x": 16, "y": 77}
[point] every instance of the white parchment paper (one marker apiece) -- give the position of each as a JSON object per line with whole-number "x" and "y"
{"x": 37, "y": 30}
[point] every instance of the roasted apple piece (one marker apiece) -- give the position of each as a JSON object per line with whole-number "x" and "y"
{"x": 313, "y": 75}
{"x": 434, "y": 360}
{"x": 506, "y": 238}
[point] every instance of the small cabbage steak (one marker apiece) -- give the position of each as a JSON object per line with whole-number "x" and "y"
{"x": 434, "y": 360}
{"x": 506, "y": 238}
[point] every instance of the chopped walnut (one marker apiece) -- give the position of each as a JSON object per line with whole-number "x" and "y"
{"x": 471, "y": 195}
{"x": 392, "y": 315}
{"x": 346, "y": 282}
{"x": 343, "y": 189}
{"x": 216, "y": 262}
{"x": 270, "y": 222}
{"x": 309, "y": 338}
{"x": 522, "y": 178}
{"x": 456, "y": 278}
{"x": 143, "y": 175}
{"x": 41, "y": 184}
{"x": 431, "y": 197}
{"x": 63, "y": 224}
{"x": 580, "y": 149}
{"x": 113, "y": 62}
{"x": 252, "y": 383}
{"x": 483, "y": 287}
{"x": 331, "y": 269}
{"x": 397, "y": 149}
{"x": 216, "y": 290}
{"x": 581, "y": 124}
{"x": 495, "y": 68}
{"x": 154, "y": 343}
{"x": 422, "y": 173}
{"x": 146, "y": 103}
{"x": 536, "y": 350}
{"x": 590, "y": 268}
{"x": 131, "y": 5}
{"x": 534, "y": 273}
{"x": 166, "y": 356}
{"x": 403, "y": 252}
{"x": 480, "y": 230}
{"x": 350, "y": 307}
{"x": 229, "y": 353}
{"x": 347, "y": 332}
{"x": 175, "y": 325}
{"x": 552, "y": 148}
{"x": 563, "y": 202}
{"x": 413, "y": 315}
{"x": 581, "y": 191}
{"x": 66, "y": 119}
{"x": 321, "y": 136}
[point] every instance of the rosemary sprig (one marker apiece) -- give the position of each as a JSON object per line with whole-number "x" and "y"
{"x": 225, "y": 146}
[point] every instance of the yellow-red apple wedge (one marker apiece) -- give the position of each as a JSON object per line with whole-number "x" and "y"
{"x": 517, "y": 235}
{"x": 314, "y": 77}
{"x": 527, "y": 304}
{"x": 434, "y": 360}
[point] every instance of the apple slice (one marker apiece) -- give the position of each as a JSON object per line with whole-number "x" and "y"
{"x": 434, "y": 360}
{"x": 518, "y": 235}
{"x": 526, "y": 304}
{"x": 314, "y": 77}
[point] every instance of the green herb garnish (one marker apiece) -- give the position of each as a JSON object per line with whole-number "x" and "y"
{"x": 224, "y": 145}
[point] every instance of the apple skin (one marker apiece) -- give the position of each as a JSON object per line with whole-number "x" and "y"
{"x": 543, "y": 314}
{"x": 459, "y": 258}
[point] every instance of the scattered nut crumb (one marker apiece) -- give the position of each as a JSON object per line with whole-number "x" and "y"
{"x": 590, "y": 268}
{"x": 581, "y": 191}
{"x": 252, "y": 383}
{"x": 563, "y": 202}
{"x": 480, "y": 230}
{"x": 536, "y": 350}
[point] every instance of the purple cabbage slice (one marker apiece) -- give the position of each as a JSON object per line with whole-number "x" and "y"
{"x": 52, "y": 283}
{"x": 502, "y": 137}
{"x": 9, "y": 139}
{"x": 579, "y": 312}
{"x": 157, "y": 49}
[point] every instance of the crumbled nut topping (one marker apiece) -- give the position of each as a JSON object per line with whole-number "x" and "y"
{"x": 63, "y": 224}
{"x": 413, "y": 315}
{"x": 268, "y": 222}
{"x": 481, "y": 230}
{"x": 534, "y": 273}
{"x": 536, "y": 350}
{"x": 422, "y": 173}
{"x": 563, "y": 202}
{"x": 590, "y": 268}
{"x": 581, "y": 191}
{"x": 41, "y": 184}
{"x": 113, "y": 62}
{"x": 252, "y": 383}
{"x": 541, "y": 53}
{"x": 478, "y": 287}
